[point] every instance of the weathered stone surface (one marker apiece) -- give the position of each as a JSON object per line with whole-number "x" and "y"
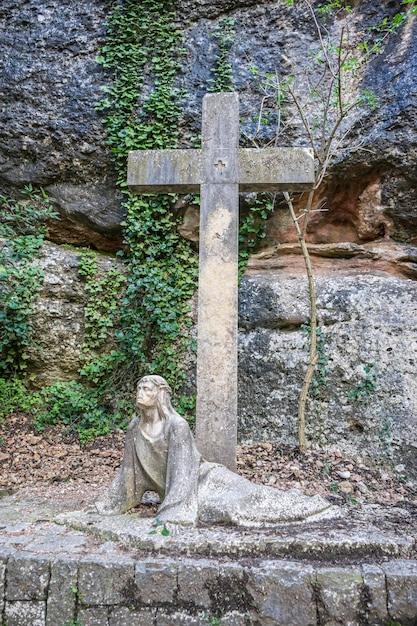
{"x": 50, "y": 132}
{"x": 125, "y": 616}
{"x": 181, "y": 618}
{"x": 242, "y": 591}
{"x": 402, "y": 591}
{"x": 27, "y": 577}
{"x": 375, "y": 594}
{"x": 283, "y": 593}
{"x": 58, "y": 320}
{"x": 2, "y": 577}
{"x": 194, "y": 583}
{"x": 156, "y": 582}
{"x": 365, "y": 532}
{"x": 22, "y": 613}
{"x": 94, "y": 616}
{"x": 90, "y": 214}
{"x": 103, "y": 582}
{"x": 234, "y": 618}
{"x": 368, "y": 322}
{"x": 62, "y": 592}
{"x": 371, "y": 190}
{"x": 339, "y": 595}
{"x": 58, "y": 543}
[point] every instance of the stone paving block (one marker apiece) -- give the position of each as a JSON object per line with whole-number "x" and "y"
{"x": 5, "y": 551}
{"x": 195, "y": 578}
{"x": 25, "y": 613}
{"x": 156, "y": 581}
{"x": 339, "y": 595}
{"x": 62, "y": 593}
{"x": 202, "y": 618}
{"x": 70, "y": 543}
{"x": 27, "y": 577}
{"x": 234, "y": 619}
{"x": 375, "y": 594}
{"x": 93, "y": 616}
{"x": 181, "y": 618}
{"x": 283, "y": 593}
{"x": 124, "y": 616}
{"x": 402, "y": 591}
{"x": 104, "y": 583}
{"x": 229, "y": 592}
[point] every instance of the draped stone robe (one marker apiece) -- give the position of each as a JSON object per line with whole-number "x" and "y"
{"x": 193, "y": 489}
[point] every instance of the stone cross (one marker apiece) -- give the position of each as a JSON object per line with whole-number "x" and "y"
{"x": 218, "y": 171}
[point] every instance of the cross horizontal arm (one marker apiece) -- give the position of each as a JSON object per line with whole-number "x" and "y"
{"x": 183, "y": 171}
{"x": 164, "y": 171}
{"x": 275, "y": 169}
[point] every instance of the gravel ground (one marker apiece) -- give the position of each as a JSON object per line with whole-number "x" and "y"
{"x": 53, "y": 466}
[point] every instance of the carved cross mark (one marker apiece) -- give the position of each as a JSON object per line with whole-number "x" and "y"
{"x": 220, "y": 165}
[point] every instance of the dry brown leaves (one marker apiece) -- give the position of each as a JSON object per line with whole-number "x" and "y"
{"x": 53, "y": 465}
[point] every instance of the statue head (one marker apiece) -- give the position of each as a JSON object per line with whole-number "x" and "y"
{"x": 153, "y": 390}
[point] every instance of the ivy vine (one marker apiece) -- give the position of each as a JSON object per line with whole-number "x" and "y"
{"x": 161, "y": 266}
{"x": 23, "y": 229}
{"x": 224, "y": 35}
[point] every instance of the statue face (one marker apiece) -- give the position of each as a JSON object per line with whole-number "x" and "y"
{"x": 147, "y": 394}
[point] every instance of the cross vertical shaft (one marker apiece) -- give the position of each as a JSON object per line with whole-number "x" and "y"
{"x": 216, "y": 424}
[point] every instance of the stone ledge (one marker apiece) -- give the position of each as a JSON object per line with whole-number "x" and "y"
{"x": 368, "y": 532}
{"x": 159, "y": 591}
{"x": 53, "y": 575}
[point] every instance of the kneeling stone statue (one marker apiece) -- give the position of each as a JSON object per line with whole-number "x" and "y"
{"x": 160, "y": 455}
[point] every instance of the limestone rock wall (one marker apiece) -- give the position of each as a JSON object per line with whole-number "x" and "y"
{"x": 366, "y": 401}
{"x": 58, "y": 321}
{"x": 51, "y": 135}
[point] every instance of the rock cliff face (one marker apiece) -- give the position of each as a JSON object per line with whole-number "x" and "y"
{"x": 51, "y": 135}
{"x": 366, "y": 396}
{"x": 364, "y": 244}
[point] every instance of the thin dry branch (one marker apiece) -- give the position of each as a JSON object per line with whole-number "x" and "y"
{"x": 313, "y": 356}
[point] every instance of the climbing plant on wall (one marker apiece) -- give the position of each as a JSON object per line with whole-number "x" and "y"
{"x": 23, "y": 229}
{"x": 161, "y": 266}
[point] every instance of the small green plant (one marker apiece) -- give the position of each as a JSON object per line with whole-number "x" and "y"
{"x": 23, "y": 228}
{"x": 76, "y": 593}
{"x": 79, "y": 409}
{"x": 385, "y": 438}
{"x": 224, "y": 35}
{"x": 160, "y": 528}
{"x": 366, "y": 387}
{"x": 14, "y": 397}
{"x": 252, "y": 229}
